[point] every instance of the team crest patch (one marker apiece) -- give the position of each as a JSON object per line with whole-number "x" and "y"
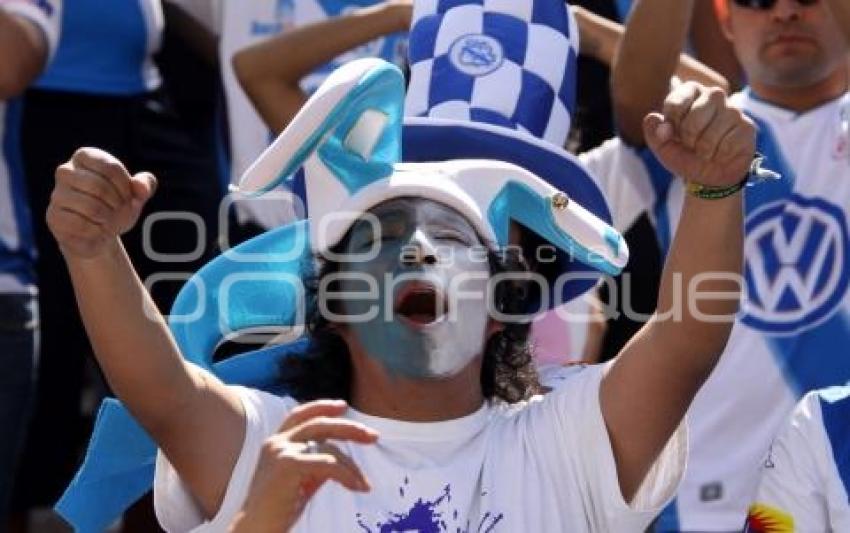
{"x": 797, "y": 266}
{"x": 476, "y": 54}
{"x": 763, "y": 518}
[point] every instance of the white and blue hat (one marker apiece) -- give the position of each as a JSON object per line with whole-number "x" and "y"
{"x": 348, "y": 140}
{"x": 495, "y": 79}
{"x": 490, "y": 80}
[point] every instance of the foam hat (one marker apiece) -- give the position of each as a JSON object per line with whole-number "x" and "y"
{"x": 489, "y": 79}
{"x": 347, "y": 138}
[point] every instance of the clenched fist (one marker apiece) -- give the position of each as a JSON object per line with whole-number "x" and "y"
{"x": 700, "y": 138}
{"x": 94, "y": 202}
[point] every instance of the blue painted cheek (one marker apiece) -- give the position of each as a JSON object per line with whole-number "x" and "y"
{"x": 402, "y": 351}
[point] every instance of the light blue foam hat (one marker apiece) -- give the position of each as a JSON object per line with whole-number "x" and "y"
{"x": 346, "y": 145}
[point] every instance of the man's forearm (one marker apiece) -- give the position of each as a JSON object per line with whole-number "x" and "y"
{"x": 706, "y": 258}
{"x": 651, "y": 384}
{"x": 23, "y": 52}
{"x": 270, "y": 72}
{"x": 646, "y": 60}
{"x": 130, "y": 339}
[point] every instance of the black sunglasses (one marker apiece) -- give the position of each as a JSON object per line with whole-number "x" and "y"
{"x": 766, "y": 5}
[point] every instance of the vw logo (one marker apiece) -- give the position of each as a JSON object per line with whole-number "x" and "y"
{"x": 796, "y": 264}
{"x": 476, "y": 54}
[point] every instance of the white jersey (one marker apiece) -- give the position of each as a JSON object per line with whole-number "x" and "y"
{"x": 544, "y": 465}
{"x": 17, "y": 245}
{"x": 805, "y": 476}
{"x": 791, "y": 333}
{"x": 242, "y": 23}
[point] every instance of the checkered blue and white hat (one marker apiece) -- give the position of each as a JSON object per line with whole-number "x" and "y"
{"x": 510, "y": 63}
{"x": 495, "y": 79}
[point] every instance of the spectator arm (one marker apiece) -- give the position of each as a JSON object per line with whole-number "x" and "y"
{"x": 646, "y": 60}
{"x": 270, "y": 72}
{"x": 23, "y": 54}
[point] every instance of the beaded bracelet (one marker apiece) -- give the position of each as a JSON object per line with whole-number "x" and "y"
{"x": 756, "y": 174}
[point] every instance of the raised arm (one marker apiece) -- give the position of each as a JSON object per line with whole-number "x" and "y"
{"x": 650, "y": 385}
{"x": 646, "y": 60}
{"x": 23, "y": 53}
{"x": 600, "y": 39}
{"x": 270, "y": 72}
{"x": 193, "y": 417}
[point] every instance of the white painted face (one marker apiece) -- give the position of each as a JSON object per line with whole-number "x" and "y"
{"x": 431, "y": 274}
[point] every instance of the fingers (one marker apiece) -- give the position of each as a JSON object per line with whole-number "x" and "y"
{"x": 678, "y": 103}
{"x": 309, "y": 410}
{"x": 67, "y": 222}
{"x": 330, "y": 464}
{"x": 698, "y": 120}
{"x": 143, "y": 186}
{"x": 295, "y": 467}
{"x": 656, "y": 130}
{"x": 89, "y": 183}
{"x": 107, "y": 166}
{"x": 739, "y": 141}
{"x": 90, "y": 208}
{"x": 709, "y": 144}
{"x": 326, "y": 428}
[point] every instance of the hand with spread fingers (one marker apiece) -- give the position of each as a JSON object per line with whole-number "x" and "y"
{"x": 95, "y": 201}
{"x": 700, "y": 137}
{"x": 297, "y": 461}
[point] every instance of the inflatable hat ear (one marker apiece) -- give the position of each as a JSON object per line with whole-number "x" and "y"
{"x": 346, "y": 136}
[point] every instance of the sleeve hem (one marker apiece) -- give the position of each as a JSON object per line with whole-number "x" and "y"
{"x": 661, "y": 482}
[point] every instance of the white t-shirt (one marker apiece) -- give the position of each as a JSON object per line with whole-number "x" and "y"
{"x": 805, "y": 475}
{"x": 795, "y": 321}
{"x": 242, "y": 23}
{"x": 17, "y": 244}
{"x": 544, "y": 465}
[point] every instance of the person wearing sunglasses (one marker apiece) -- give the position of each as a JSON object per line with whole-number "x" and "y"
{"x": 790, "y": 333}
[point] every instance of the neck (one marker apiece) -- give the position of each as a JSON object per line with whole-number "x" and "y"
{"x": 802, "y": 99}
{"x": 377, "y": 393}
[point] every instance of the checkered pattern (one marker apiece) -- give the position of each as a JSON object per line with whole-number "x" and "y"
{"x": 532, "y": 89}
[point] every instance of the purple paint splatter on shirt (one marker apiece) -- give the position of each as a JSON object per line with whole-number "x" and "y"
{"x": 423, "y": 517}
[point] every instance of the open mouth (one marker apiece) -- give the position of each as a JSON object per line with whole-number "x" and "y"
{"x": 420, "y": 304}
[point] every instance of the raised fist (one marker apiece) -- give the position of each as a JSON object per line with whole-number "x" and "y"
{"x": 700, "y": 137}
{"x": 95, "y": 201}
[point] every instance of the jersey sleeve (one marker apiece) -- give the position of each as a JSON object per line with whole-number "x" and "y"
{"x": 575, "y": 438}
{"x": 175, "y": 506}
{"x": 624, "y": 179}
{"x": 792, "y": 491}
{"x": 45, "y": 14}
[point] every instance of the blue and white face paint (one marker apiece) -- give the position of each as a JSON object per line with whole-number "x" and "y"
{"x": 428, "y": 316}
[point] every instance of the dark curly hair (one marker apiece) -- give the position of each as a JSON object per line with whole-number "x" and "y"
{"x": 508, "y": 372}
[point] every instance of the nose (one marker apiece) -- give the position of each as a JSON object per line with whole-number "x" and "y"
{"x": 787, "y": 10}
{"x": 419, "y": 250}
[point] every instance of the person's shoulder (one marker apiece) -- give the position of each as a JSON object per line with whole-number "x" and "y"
{"x": 572, "y": 383}
{"x": 264, "y": 407}
{"x": 829, "y": 408}
{"x": 44, "y": 14}
{"x": 556, "y": 376}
